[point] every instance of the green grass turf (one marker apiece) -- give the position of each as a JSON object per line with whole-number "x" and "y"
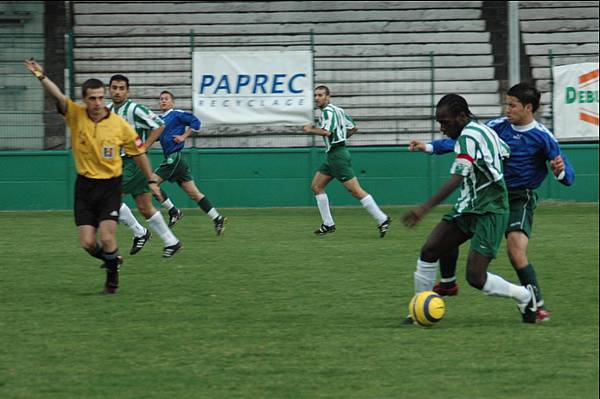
{"x": 271, "y": 311}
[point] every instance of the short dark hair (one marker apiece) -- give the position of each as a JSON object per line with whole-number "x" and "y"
{"x": 322, "y": 87}
{"x": 527, "y": 94}
{"x": 119, "y": 78}
{"x": 456, "y": 105}
{"x": 167, "y": 92}
{"x": 91, "y": 84}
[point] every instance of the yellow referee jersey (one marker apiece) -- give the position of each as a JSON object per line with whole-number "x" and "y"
{"x": 96, "y": 146}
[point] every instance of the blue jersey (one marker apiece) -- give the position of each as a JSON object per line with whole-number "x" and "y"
{"x": 531, "y": 146}
{"x": 176, "y": 122}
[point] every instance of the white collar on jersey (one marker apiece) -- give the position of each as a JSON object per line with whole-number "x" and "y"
{"x": 166, "y": 113}
{"x": 524, "y": 128}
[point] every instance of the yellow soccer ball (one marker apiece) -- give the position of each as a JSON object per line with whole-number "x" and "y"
{"x": 427, "y": 308}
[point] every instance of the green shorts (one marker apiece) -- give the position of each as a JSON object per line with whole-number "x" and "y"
{"x": 522, "y": 203}
{"x": 174, "y": 169}
{"x": 486, "y": 230}
{"x": 338, "y": 164}
{"x": 134, "y": 181}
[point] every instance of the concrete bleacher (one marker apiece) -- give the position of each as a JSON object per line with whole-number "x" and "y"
{"x": 567, "y": 28}
{"x": 373, "y": 55}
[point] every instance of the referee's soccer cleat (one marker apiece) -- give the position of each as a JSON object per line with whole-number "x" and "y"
{"x": 321, "y": 231}
{"x": 172, "y": 250}
{"x": 384, "y": 227}
{"x": 112, "y": 282}
{"x": 220, "y": 224}
{"x": 445, "y": 291}
{"x": 529, "y": 310}
{"x": 139, "y": 242}
{"x": 112, "y": 277}
{"x": 175, "y": 215}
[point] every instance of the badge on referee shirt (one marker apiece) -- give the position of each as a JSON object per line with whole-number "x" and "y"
{"x": 108, "y": 152}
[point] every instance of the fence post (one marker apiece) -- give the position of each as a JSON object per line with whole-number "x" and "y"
{"x": 551, "y": 64}
{"x": 432, "y": 161}
{"x": 312, "y": 51}
{"x": 71, "y": 64}
{"x": 192, "y": 46}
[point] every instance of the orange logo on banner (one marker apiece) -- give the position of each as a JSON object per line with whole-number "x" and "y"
{"x": 585, "y": 80}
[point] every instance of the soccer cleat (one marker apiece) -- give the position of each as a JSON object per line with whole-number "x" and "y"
{"x": 321, "y": 231}
{"x": 139, "y": 242}
{"x": 384, "y": 227}
{"x": 175, "y": 215}
{"x": 112, "y": 277}
{"x": 112, "y": 282}
{"x": 529, "y": 310}
{"x": 443, "y": 291}
{"x": 543, "y": 315}
{"x": 171, "y": 250}
{"x": 408, "y": 321}
{"x": 220, "y": 225}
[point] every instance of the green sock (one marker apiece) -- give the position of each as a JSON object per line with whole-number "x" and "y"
{"x": 527, "y": 276}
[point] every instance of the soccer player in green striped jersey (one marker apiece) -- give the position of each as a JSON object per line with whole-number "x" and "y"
{"x": 144, "y": 122}
{"x": 335, "y": 126}
{"x": 481, "y": 210}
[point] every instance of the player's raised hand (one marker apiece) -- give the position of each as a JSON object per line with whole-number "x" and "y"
{"x": 416, "y": 145}
{"x": 557, "y": 165}
{"x": 34, "y": 67}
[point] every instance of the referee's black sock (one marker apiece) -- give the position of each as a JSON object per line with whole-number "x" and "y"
{"x": 96, "y": 252}
{"x": 112, "y": 260}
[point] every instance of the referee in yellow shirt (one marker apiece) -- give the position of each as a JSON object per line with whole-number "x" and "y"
{"x": 97, "y": 135}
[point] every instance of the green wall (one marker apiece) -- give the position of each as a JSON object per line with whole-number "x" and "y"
{"x": 42, "y": 180}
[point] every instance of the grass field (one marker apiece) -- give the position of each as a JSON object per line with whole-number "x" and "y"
{"x": 271, "y": 311}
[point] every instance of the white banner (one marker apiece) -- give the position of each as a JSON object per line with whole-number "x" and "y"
{"x": 575, "y": 102}
{"x": 253, "y": 88}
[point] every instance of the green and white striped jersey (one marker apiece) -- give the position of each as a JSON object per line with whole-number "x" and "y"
{"x": 138, "y": 116}
{"x": 479, "y": 153}
{"x": 337, "y": 122}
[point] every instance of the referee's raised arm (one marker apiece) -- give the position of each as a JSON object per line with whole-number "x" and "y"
{"x": 50, "y": 86}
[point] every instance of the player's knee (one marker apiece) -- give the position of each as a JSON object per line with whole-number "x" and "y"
{"x": 316, "y": 188}
{"x": 88, "y": 244}
{"x": 429, "y": 253}
{"x": 476, "y": 279}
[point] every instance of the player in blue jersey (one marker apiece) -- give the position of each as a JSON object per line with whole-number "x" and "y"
{"x": 179, "y": 125}
{"x": 532, "y": 146}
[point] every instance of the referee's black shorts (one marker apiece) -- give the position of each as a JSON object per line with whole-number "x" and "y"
{"x": 97, "y": 200}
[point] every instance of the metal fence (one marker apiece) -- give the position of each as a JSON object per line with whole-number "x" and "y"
{"x": 391, "y": 98}
{"x": 21, "y": 97}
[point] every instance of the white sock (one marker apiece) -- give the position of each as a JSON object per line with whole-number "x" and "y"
{"x": 157, "y": 223}
{"x": 213, "y": 213}
{"x": 167, "y": 204}
{"x": 126, "y": 217}
{"x": 425, "y": 276}
{"x": 323, "y": 204}
{"x": 371, "y": 206}
{"x": 497, "y": 286}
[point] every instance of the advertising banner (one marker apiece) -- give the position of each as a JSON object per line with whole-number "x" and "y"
{"x": 575, "y": 102}
{"x": 253, "y": 88}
